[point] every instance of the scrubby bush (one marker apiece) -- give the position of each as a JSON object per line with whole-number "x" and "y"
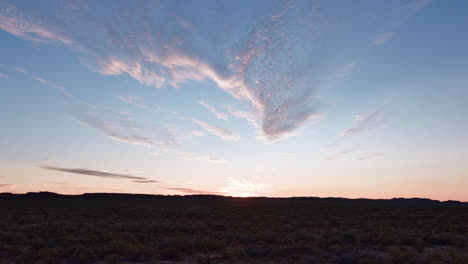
{"x": 434, "y": 258}
{"x": 398, "y": 256}
{"x": 170, "y": 254}
{"x": 88, "y": 230}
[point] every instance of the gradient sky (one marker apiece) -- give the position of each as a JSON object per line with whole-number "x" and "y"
{"x": 243, "y": 98}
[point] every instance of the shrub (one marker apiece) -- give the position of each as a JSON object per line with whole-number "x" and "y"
{"x": 398, "y": 256}
{"x": 207, "y": 244}
{"x": 170, "y": 254}
{"x": 434, "y": 258}
{"x": 183, "y": 244}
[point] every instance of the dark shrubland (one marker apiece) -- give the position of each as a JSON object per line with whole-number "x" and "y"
{"x": 115, "y": 228}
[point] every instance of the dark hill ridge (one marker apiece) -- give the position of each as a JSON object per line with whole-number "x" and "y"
{"x": 46, "y": 195}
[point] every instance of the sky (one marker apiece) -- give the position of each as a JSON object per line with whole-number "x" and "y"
{"x": 241, "y": 98}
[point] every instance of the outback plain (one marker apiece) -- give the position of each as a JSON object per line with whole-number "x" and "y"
{"x": 124, "y": 228}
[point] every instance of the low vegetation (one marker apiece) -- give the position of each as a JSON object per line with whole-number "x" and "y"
{"x": 110, "y": 228}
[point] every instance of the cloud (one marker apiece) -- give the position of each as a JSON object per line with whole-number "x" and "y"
{"x": 289, "y": 128}
{"x": 370, "y": 156}
{"x": 191, "y": 135}
{"x": 261, "y": 66}
{"x": 356, "y": 154}
{"x": 6, "y": 185}
{"x": 271, "y": 61}
{"x": 132, "y": 100}
{"x": 40, "y": 80}
{"x": 3, "y": 178}
{"x": 220, "y": 132}
{"x": 196, "y": 134}
{"x": 401, "y": 16}
{"x": 16, "y": 23}
{"x": 3, "y": 75}
{"x": 146, "y": 181}
{"x": 218, "y": 114}
{"x": 97, "y": 173}
{"x": 190, "y": 156}
{"x": 364, "y": 122}
{"x": 288, "y": 153}
{"x": 251, "y": 117}
{"x": 119, "y": 127}
{"x": 20, "y": 69}
{"x": 113, "y": 66}
{"x": 342, "y": 154}
{"x": 191, "y": 191}
{"x": 45, "y": 82}
{"x": 382, "y": 38}
{"x": 346, "y": 71}
{"x": 182, "y": 67}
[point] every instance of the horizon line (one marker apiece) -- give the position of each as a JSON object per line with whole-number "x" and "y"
{"x": 241, "y": 197}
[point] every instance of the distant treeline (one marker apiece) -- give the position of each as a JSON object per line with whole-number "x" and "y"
{"x": 51, "y": 195}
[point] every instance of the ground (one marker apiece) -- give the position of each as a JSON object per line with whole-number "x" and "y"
{"x": 111, "y": 228}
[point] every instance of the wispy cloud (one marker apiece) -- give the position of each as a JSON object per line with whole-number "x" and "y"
{"x": 40, "y": 79}
{"x": 264, "y": 67}
{"x": 119, "y": 127}
{"x": 97, "y": 173}
{"x": 259, "y": 67}
{"x": 113, "y": 66}
{"x": 188, "y": 136}
{"x": 342, "y": 154}
{"x": 132, "y": 100}
{"x": 3, "y": 75}
{"x": 6, "y": 185}
{"x": 196, "y": 134}
{"x": 15, "y": 22}
{"x": 251, "y": 117}
{"x": 346, "y": 70}
{"x": 364, "y": 122}
{"x": 191, "y": 156}
{"x": 217, "y": 113}
{"x": 287, "y": 129}
{"x": 191, "y": 191}
{"x": 288, "y": 153}
{"x": 369, "y": 156}
{"x": 382, "y": 38}
{"x": 361, "y": 123}
{"x": 3, "y": 178}
{"x": 401, "y": 16}
{"x": 45, "y": 82}
{"x": 146, "y": 181}
{"x": 220, "y": 132}
{"x": 20, "y": 69}
{"x": 360, "y": 153}
{"x": 290, "y": 129}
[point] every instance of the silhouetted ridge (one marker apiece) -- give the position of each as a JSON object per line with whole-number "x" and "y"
{"x": 42, "y": 195}
{"x": 333, "y": 200}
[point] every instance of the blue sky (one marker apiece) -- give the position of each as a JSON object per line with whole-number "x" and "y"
{"x": 242, "y": 98}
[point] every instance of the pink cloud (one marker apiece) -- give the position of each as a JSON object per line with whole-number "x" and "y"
{"x": 17, "y": 24}
{"x": 217, "y": 113}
